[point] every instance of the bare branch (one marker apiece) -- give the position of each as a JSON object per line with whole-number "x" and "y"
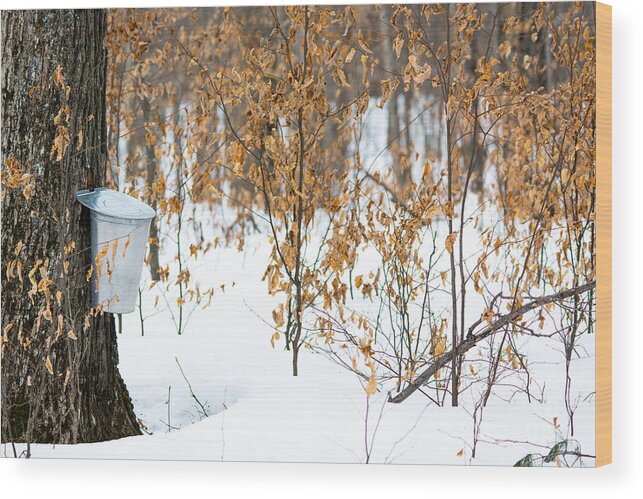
{"x": 472, "y": 340}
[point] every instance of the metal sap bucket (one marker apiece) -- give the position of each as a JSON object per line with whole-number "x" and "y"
{"x": 119, "y": 225}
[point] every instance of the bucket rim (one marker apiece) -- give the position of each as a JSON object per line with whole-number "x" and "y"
{"x": 114, "y": 204}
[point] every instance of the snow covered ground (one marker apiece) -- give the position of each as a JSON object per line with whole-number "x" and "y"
{"x": 258, "y": 412}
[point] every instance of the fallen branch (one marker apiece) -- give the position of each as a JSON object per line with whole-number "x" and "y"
{"x": 472, "y": 340}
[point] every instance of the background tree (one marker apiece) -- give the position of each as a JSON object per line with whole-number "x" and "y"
{"x": 60, "y": 381}
{"x": 520, "y": 241}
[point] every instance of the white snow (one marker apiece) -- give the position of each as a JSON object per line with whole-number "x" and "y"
{"x": 257, "y": 411}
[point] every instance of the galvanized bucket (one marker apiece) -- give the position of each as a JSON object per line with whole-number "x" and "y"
{"x": 119, "y": 226}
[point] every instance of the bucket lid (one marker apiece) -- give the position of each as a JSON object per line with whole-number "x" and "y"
{"x": 114, "y": 204}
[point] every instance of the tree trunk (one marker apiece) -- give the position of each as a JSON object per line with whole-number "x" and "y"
{"x": 60, "y": 381}
{"x": 150, "y": 168}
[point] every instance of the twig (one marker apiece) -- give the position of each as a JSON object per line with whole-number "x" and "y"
{"x": 203, "y": 409}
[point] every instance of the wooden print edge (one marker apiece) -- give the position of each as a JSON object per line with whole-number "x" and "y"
{"x": 604, "y": 234}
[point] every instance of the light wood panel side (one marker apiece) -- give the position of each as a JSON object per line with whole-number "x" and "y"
{"x": 604, "y": 234}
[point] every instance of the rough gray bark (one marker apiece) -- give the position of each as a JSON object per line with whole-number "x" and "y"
{"x": 59, "y": 375}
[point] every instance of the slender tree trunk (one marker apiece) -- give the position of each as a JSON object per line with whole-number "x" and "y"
{"x": 178, "y": 163}
{"x": 150, "y": 167}
{"x": 393, "y": 139}
{"x": 60, "y": 381}
{"x": 455, "y": 371}
{"x": 299, "y": 311}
